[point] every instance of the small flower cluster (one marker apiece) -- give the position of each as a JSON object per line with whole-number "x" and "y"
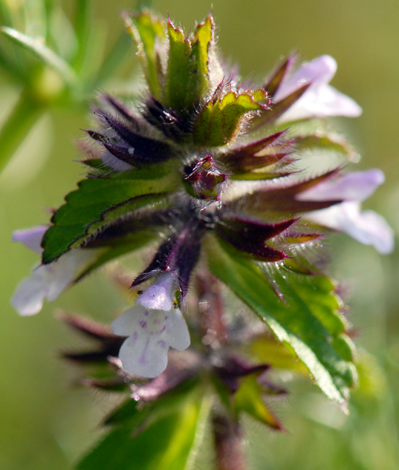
{"x": 208, "y": 165}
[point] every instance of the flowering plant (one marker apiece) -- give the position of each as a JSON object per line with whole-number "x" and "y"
{"x": 204, "y": 170}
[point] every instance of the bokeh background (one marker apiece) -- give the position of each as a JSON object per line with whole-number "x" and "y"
{"x": 46, "y": 421}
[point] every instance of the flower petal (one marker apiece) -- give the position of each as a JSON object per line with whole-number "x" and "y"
{"x": 151, "y": 333}
{"x": 177, "y": 331}
{"x": 367, "y": 227}
{"x": 31, "y": 237}
{"x": 29, "y": 297}
{"x": 320, "y": 99}
{"x": 350, "y": 186}
{"x": 318, "y": 72}
{"x": 159, "y": 295}
{"x": 144, "y": 356}
{"x": 48, "y": 281}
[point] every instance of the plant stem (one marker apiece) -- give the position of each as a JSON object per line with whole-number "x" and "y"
{"x": 212, "y": 310}
{"x": 16, "y": 128}
{"x": 228, "y": 442}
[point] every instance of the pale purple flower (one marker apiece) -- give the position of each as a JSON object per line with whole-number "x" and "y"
{"x": 320, "y": 99}
{"x": 160, "y": 295}
{"x": 356, "y": 186}
{"x": 31, "y": 237}
{"x": 47, "y": 281}
{"x": 150, "y": 334}
{"x": 367, "y": 227}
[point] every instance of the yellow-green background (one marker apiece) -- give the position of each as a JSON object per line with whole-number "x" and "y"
{"x": 45, "y": 421}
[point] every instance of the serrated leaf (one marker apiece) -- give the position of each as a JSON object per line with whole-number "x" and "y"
{"x": 302, "y": 322}
{"x": 248, "y": 398}
{"x": 149, "y": 34}
{"x": 100, "y": 201}
{"x": 166, "y": 444}
{"x": 219, "y": 121}
{"x": 267, "y": 349}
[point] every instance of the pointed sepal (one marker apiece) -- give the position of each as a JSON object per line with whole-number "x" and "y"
{"x": 278, "y": 109}
{"x": 177, "y": 255}
{"x": 148, "y": 31}
{"x": 275, "y": 79}
{"x": 249, "y": 236}
{"x": 285, "y": 198}
{"x": 262, "y": 159}
{"x": 249, "y": 399}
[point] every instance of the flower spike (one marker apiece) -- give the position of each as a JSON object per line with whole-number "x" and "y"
{"x": 202, "y": 169}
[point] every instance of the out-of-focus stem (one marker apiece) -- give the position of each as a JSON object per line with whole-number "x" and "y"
{"x": 17, "y": 126}
{"x": 113, "y": 60}
{"x": 228, "y": 443}
{"x": 211, "y": 309}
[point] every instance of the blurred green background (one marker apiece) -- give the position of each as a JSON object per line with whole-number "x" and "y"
{"x": 46, "y": 422}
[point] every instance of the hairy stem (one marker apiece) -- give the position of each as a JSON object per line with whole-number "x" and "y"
{"x": 211, "y": 309}
{"x": 228, "y": 443}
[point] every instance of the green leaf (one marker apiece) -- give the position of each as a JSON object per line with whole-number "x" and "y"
{"x": 43, "y": 53}
{"x": 181, "y": 77}
{"x": 127, "y": 411}
{"x": 266, "y": 349}
{"x": 100, "y": 201}
{"x": 187, "y": 78}
{"x": 307, "y": 322}
{"x": 149, "y": 35}
{"x": 248, "y": 398}
{"x": 219, "y": 120}
{"x": 166, "y": 444}
{"x": 203, "y": 41}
